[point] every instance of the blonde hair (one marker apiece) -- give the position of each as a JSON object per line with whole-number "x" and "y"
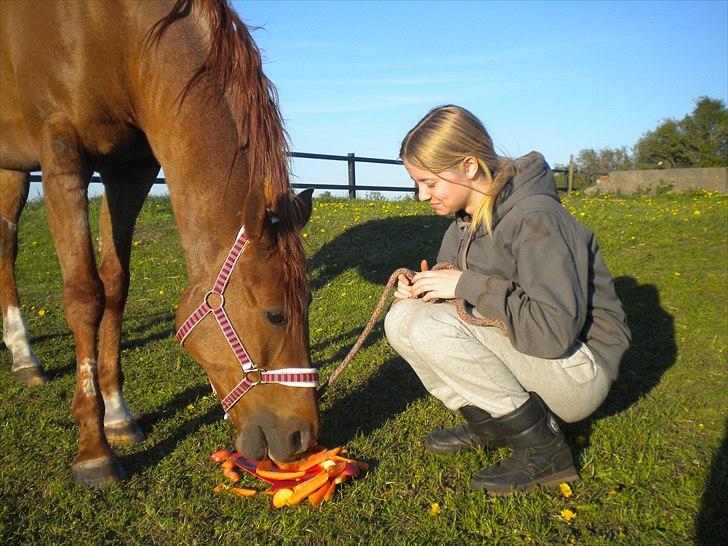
{"x": 444, "y": 138}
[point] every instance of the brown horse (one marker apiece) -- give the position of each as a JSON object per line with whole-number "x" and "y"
{"x": 120, "y": 87}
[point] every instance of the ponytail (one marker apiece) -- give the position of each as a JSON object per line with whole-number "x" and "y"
{"x": 484, "y": 214}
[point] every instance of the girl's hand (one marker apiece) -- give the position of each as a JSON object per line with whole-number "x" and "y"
{"x": 438, "y": 284}
{"x": 404, "y": 286}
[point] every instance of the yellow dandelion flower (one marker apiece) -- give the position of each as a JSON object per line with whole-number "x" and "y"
{"x": 434, "y": 509}
{"x": 41, "y": 312}
{"x": 161, "y": 292}
{"x": 696, "y": 212}
{"x": 565, "y": 489}
{"x": 567, "y": 515}
{"x": 190, "y": 407}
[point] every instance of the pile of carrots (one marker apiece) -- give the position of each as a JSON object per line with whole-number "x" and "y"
{"x": 314, "y": 478}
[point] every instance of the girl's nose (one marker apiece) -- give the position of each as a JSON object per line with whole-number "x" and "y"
{"x": 423, "y": 194}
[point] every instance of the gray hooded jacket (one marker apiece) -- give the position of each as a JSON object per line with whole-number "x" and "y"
{"x": 541, "y": 272}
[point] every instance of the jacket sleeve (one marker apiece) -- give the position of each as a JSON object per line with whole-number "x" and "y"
{"x": 545, "y": 307}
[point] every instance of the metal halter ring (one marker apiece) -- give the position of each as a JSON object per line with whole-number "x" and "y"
{"x": 259, "y": 379}
{"x": 210, "y": 293}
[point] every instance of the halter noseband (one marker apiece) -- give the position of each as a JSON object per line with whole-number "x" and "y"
{"x": 252, "y": 374}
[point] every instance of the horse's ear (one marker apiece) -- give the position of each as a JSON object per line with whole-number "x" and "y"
{"x": 254, "y": 218}
{"x": 302, "y": 204}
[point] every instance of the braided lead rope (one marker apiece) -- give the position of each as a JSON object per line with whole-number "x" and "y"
{"x": 459, "y": 307}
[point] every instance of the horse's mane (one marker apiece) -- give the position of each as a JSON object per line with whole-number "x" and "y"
{"x": 233, "y": 70}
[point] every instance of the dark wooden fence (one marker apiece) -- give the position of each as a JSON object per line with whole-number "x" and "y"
{"x": 351, "y": 185}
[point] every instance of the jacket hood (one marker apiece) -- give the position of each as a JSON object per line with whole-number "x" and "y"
{"x": 533, "y": 177}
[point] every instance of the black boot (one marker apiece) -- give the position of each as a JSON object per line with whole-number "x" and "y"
{"x": 540, "y": 453}
{"x": 480, "y": 430}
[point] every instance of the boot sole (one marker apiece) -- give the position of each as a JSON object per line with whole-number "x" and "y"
{"x": 569, "y": 475}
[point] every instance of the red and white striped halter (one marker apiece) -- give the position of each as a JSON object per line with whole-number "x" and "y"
{"x": 252, "y": 374}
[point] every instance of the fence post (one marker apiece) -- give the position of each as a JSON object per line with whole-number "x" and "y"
{"x": 352, "y": 176}
{"x": 571, "y": 174}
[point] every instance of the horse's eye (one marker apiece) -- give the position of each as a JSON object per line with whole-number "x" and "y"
{"x": 277, "y": 318}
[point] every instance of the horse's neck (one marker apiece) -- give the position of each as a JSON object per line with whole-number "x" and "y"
{"x": 195, "y": 141}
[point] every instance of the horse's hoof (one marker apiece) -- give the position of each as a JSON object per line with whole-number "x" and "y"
{"x": 125, "y": 433}
{"x": 99, "y": 472}
{"x": 30, "y": 376}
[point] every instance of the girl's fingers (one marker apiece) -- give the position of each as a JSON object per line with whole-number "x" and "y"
{"x": 424, "y": 266}
{"x": 403, "y": 279}
{"x": 403, "y": 292}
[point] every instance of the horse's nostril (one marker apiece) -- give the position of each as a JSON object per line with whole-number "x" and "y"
{"x": 299, "y": 441}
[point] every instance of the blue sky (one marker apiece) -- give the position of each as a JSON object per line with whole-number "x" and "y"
{"x": 551, "y": 76}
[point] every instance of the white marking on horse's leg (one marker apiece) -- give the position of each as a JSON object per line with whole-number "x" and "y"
{"x": 116, "y": 411}
{"x": 12, "y": 225}
{"x": 86, "y": 376}
{"x": 15, "y": 336}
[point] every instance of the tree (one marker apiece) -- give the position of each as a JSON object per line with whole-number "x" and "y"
{"x": 707, "y": 133}
{"x": 700, "y": 139}
{"x": 594, "y": 163}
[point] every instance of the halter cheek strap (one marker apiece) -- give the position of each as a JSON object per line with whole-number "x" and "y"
{"x": 214, "y": 302}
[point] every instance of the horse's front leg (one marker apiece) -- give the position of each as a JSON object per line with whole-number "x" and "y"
{"x": 26, "y": 368}
{"x": 66, "y": 173}
{"x": 126, "y": 189}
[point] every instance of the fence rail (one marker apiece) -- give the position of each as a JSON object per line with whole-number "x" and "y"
{"x": 351, "y": 186}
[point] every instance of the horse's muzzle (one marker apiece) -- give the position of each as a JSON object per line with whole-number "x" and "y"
{"x": 283, "y": 439}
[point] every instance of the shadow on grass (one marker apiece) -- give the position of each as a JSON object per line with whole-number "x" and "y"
{"x": 374, "y": 249}
{"x": 133, "y": 336}
{"x": 147, "y": 458}
{"x": 652, "y": 352}
{"x": 366, "y": 408}
{"x": 378, "y": 247}
{"x": 653, "y": 349}
{"x": 712, "y": 522}
{"x": 348, "y": 338}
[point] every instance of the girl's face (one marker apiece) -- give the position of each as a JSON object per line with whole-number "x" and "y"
{"x": 448, "y": 192}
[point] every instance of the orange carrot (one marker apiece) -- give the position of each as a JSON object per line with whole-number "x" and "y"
{"x": 330, "y": 491}
{"x": 328, "y": 463}
{"x": 303, "y": 490}
{"x": 220, "y": 455}
{"x": 228, "y": 465}
{"x": 243, "y": 492}
{"x": 335, "y": 470}
{"x": 265, "y": 465}
{"x": 219, "y": 488}
{"x": 364, "y": 467}
{"x": 231, "y": 475}
{"x": 319, "y": 457}
{"x": 272, "y": 475}
{"x": 317, "y": 496}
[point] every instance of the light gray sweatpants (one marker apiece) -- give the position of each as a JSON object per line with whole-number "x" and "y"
{"x": 461, "y": 364}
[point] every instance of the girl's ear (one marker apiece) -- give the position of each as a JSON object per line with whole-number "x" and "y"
{"x": 471, "y": 167}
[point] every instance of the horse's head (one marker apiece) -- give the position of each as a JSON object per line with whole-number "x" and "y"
{"x": 266, "y": 300}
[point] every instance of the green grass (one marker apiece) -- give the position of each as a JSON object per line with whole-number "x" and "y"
{"x": 653, "y": 459}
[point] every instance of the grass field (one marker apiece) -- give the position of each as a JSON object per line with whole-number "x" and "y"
{"x": 653, "y": 459}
